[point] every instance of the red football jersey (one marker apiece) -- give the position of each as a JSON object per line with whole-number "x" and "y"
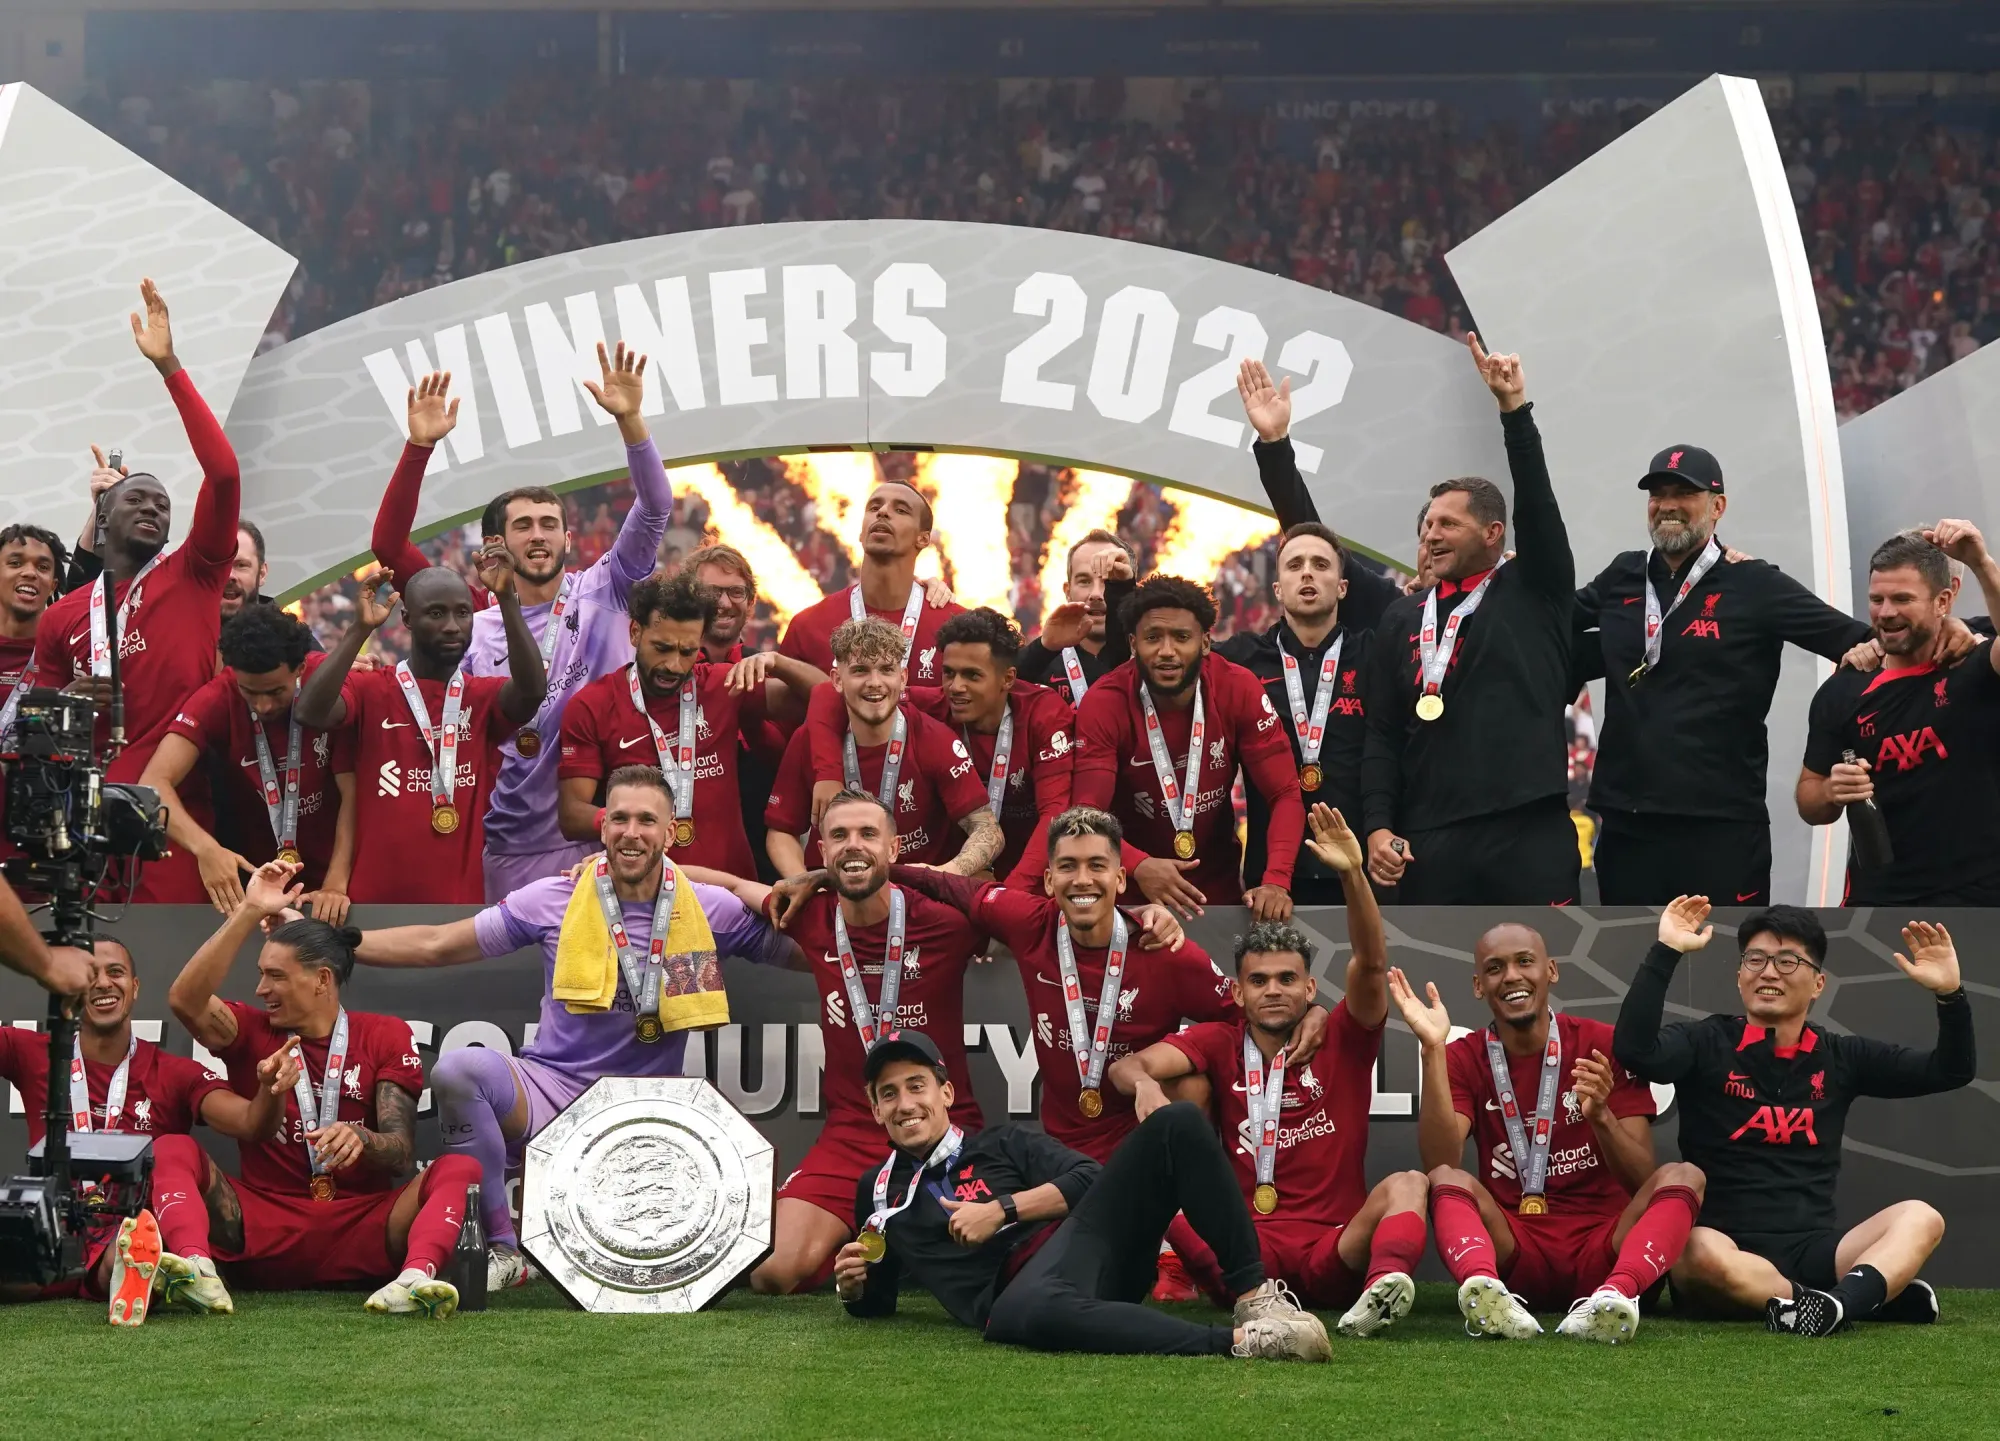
{"x": 398, "y": 858}
{"x": 938, "y": 945}
{"x": 1115, "y": 772}
{"x": 809, "y": 637}
{"x": 218, "y": 721}
{"x": 1579, "y": 1181}
{"x": 935, "y": 790}
{"x": 163, "y": 1092}
{"x": 602, "y": 730}
{"x": 379, "y": 1048}
{"x": 1323, "y": 1117}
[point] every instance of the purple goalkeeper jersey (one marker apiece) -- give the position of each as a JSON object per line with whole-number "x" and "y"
{"x": 605, "y": 1043}
{"x": 522, "y": 817}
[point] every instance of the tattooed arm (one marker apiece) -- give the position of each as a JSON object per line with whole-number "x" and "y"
{"x": 984, "y": 840}
{"x": 392, "y": 1147}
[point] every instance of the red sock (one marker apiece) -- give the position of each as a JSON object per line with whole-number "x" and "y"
{"x": 1463, "y": 1242}
{"x": 440, "y": 1212}
{"x": 179, "y": 1167}
{"x": 1654, "y": 1243}
{"x": 1398, "y": 1245}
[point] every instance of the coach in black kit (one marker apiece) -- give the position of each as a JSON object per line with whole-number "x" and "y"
{"x": 1691, "y": 645}
{"x": 1465, "y": 769}
{"x": 1763, "y": 1100}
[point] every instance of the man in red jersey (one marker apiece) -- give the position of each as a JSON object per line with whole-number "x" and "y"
{"x": 31, "y": 563}
{"x": 118, "y": 1082}
{"x": 426, "y": 736}
{"x": 165, "y": 607}
{"x": 1301, "y": 1130}
{"x": 323, "y": 1202}
{"x": 1159, "y": 740}
{"x": 694, "y": 712}
{"x": 288, "y": 795}
{"x": 895, "y": 528}
{"x": 893, "y": 751}
{"x": 1568, "y": 1206}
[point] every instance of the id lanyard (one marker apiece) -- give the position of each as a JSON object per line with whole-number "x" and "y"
{"x": 1531, "y": 1157}
{"x": 1310, "y": 726}
{"x": 114, "y": 1094}
{"x": 876, "y": 1021}
{"x": 1092, "y": 1046}
{"x": 443, "y": 742}
{"x": 642, "y": 971}
{"x": 1436, "y": 654}
{"x": 1656, "y": 618}
{"x": 329, "y": 1088}
{"x": 942, "y": 1154}
{"x": 857, "y": 611}
{"x": 892, "y": 763}
{"x": 551, "y": 638}
{"x": 1003, "y": 760}
{"x": 1264, "y": 1097}
{"x": 1179, "y": 799}
{"x": 677, "y": 756}
{"x": 282, "y": 802}
{"x": 100, "y": 634}
{"x": 1073, "y": 670}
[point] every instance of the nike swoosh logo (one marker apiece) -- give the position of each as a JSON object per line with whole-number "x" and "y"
{"x": 1746, "y": 895}
{"x": 627, "y": 745}
{"x": 1491, "y": 1106}
{"x": 1631, "y": 600}
{"x": 1863, "y": 720}
{"x": 397, "y": 725}
{"x": 1735, "y": 1077}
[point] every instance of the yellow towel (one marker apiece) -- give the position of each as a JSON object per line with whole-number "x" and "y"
{"x": 586, "y": 977}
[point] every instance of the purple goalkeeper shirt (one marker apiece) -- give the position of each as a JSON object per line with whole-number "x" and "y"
{"x": 521, "y": 821}
{"x": 605, "y": 1043}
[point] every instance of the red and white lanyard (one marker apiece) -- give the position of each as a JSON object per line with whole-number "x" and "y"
{"x": 1531, "y": 1155}
{"x": 676, "y": 756}
{"x": 114, "y": 1094}
{"x": 1179, "y": 797}
{"x": 1310, "y": 727}
{"x": 443, "y": 742}
{"x": 892, "y": 763}
{"x": 642, "y": 972}
{"x": 281, "y": 803}
{"x": 1003, "y": 760}
{"x": 1264, "y": 1097}
{"x": 1655, "y": 618}
{"x": 21, "y": 686}
{"x": 1092, "y": 1046}
{"x": 857, "y": 611}
{"x": 942, "y": 1154}
{"x": 1073, "y": 670}
{"x": 551, "y": 637}
{"x": 329, "y": 1088}
{"x": 1436, "y": 655}
{"x": 878, "y": 1020}
{"x": 100, "y": 635}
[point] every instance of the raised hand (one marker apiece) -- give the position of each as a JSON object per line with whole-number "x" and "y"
{"x": 1959, "y": 539}
{"x": 1431, "y": 1023}
{"x": 1684, "y": 924}
{"x": 279, "y": 1071}
{"x": 105, "y": 475}
{"x": 623, "y": 389}
{"x": 377, "y": 599}
{"x": 155, "y": 338}
{"x": 1068, "y": 624}
{"x": 1329, "y": 838}
{"x": 1592, "y": 1078}
{"x": 1933, "y": 961}
{"x": 274, "y": 888}
{"x": 431, "y": 417}
{"x": 496, "y": 567}
{"x": 1502, "y": 374}
{"x": 1268, "y": 406}
{"x": 1111, "y": 563}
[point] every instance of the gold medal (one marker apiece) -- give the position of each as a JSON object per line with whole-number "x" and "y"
{"x": 289, "y": 856}
{"x": 1533, "y": 1206}
{"x": 649, "y": 1029}
{"x": 1265, "y": 1199}
{"x": 1090, "y": 1101}
{"x": 874, "y": 1245}
{"x": 322, "y": 1186}
{"x": 1638, "y": 673}
{"x": 1430, "y": 707}
{"x": 528, "y": 741}
{"x": 444, "y": 819}
{"x": 1184, "y": 845}
{"x": 1311, "y": 776}
{"x": 684, "y": 831}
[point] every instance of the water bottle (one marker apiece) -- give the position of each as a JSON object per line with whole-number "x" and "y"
{"x": 1868, "y": 832}
{"x": 468, "y": 1257}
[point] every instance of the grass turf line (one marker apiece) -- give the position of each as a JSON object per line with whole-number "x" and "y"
{"x": 797, "y": 1367}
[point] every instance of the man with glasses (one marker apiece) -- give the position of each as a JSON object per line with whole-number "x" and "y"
{"x": 1764, "y": 1099}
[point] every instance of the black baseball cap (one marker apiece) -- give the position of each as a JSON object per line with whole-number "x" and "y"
{"x": 1689, "y": 464}
{"x": 900, "y": 1046}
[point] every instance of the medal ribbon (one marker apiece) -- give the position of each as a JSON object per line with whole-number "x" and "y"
{"x": 1264, "y": 1097}
{"x": 551, "y": 638}
{"x": 1180, "y": 807}
{"x": 1092, "y": 1048}
{"x": 100, "y": 636}
{"x": 1436, "y": 656}
{"x": 642, "y": 972}
{"x": 876, "y": 1021}
{"x": 1531, "y": 1157}
{"x": 1711, "y": 553}
{"x": 114, "y": 1094}
{"x": 1310, "y": 728}
{"x": 892, "y": 763}
{"x": 857, "y": 611}
{"x": 677, "y": 756}
{"x": 943, "y": 1154}
{"x": 283, "y": 805}
{"x": 443, "y": 743}
{"x": 1073, "y": 669}
{"x": 1003, "y": 760}
{"x": 24, "y": 684}
{"x": 329, "y": 1087}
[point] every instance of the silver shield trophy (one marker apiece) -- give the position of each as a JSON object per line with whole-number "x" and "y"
{"x": 647, "y": 1196}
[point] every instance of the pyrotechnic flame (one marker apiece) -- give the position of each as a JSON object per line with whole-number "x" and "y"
{"x": 969, "y": 495}
{"x": 1095, "y": 498}
{"x": 1204, "y": 533}
{"x": 782, "y": 583}
{"x": 839, "y": 482}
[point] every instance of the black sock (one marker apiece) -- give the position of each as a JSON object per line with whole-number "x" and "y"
{"x": 1861, "y": 1291}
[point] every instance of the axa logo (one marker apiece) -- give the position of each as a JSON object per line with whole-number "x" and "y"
{"x": 1704, "y": 629}
{"x": 1348, "y": 705}
{"x": 389, "y": 783}
{"x": 1907, "y": 751}
{"x": 971, "y": 1190}
{"x": 1779, "y": 1125}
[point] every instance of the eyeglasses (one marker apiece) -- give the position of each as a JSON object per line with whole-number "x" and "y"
{"x": 1783, "y": 962}
{"x": 737, "y": 593}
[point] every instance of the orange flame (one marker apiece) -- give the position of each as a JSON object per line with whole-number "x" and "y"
{"x": 1204, "y": 533}
{"x": 782, "y": 583}
{"x": 1095, "y": 498}
{"x": 969, "y": 495}
{"x": 838, "y": 482}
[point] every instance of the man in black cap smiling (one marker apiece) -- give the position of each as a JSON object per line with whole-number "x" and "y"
{"x": 1691, "y": 642}
{"x": 1037, "y": 1244}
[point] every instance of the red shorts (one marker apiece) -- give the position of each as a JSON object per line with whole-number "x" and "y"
{"x": 1305, "y": 1255}
{"x": 293, "y": 1243}
{"x": 1559, "y": 1258}
{"x": 829, "y": 1174}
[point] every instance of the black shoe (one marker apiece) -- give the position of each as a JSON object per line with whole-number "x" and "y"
{"x": 1808, "y": 1313}
{"x": 1915, "y": 1305}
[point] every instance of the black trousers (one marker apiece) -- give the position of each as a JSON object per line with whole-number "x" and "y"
{"x": 1524, "y": 857}
{"x": 1084, "y": 1289}
{"x": 1649, "y": 860}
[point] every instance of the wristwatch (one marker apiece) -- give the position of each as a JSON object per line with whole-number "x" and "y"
{"x": 1009, "y": 1209}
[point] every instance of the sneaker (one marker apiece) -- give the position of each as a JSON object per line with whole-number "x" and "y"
{"x": 1490, "y": 1309}
{"x": 135, "y": 1257}
{"x": 190, "y": 1282}
{"x": 415, "y": 1295}
{"x": 1272, "y": 1298}
{"x": 1915, "y": 1305}
{"x": 1808, "y": 1313}
{"x": 506, "y": 1268}
{"x": 1284, "y": 1336}
{"x": 1173, "y": 1284}
{"x": 1604, "y": 1315}
{"x": 1380, "y": 1307}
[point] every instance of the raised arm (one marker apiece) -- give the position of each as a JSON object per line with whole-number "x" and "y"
{"x": 1338, "y": 848}
{"x": 527, "y": 680}
{"x": 1644, "y": 1047}
{"x": 1269, "y": 409}
{"x": 1441, "y": 1127}
{"x": 621, "y": 395}
{"x": 320, "y": 704}
{"x": 430, "y": 421}
{"x": 192, "y": 997}
{"x": 1541, "y": 541}
{"x": 212, "y": 533}
{"x": 784, "y": 683}
{"x": 1961, "y": 540}
{"x": 1884, "y": 1069}
{"x": 455, "y": 943}
{"x": 262, "y": 1115}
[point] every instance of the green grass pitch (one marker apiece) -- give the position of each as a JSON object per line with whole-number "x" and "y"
{"x": 314, "y": 1364}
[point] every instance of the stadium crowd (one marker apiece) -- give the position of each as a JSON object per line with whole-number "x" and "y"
{"x": 582, "y": 741}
